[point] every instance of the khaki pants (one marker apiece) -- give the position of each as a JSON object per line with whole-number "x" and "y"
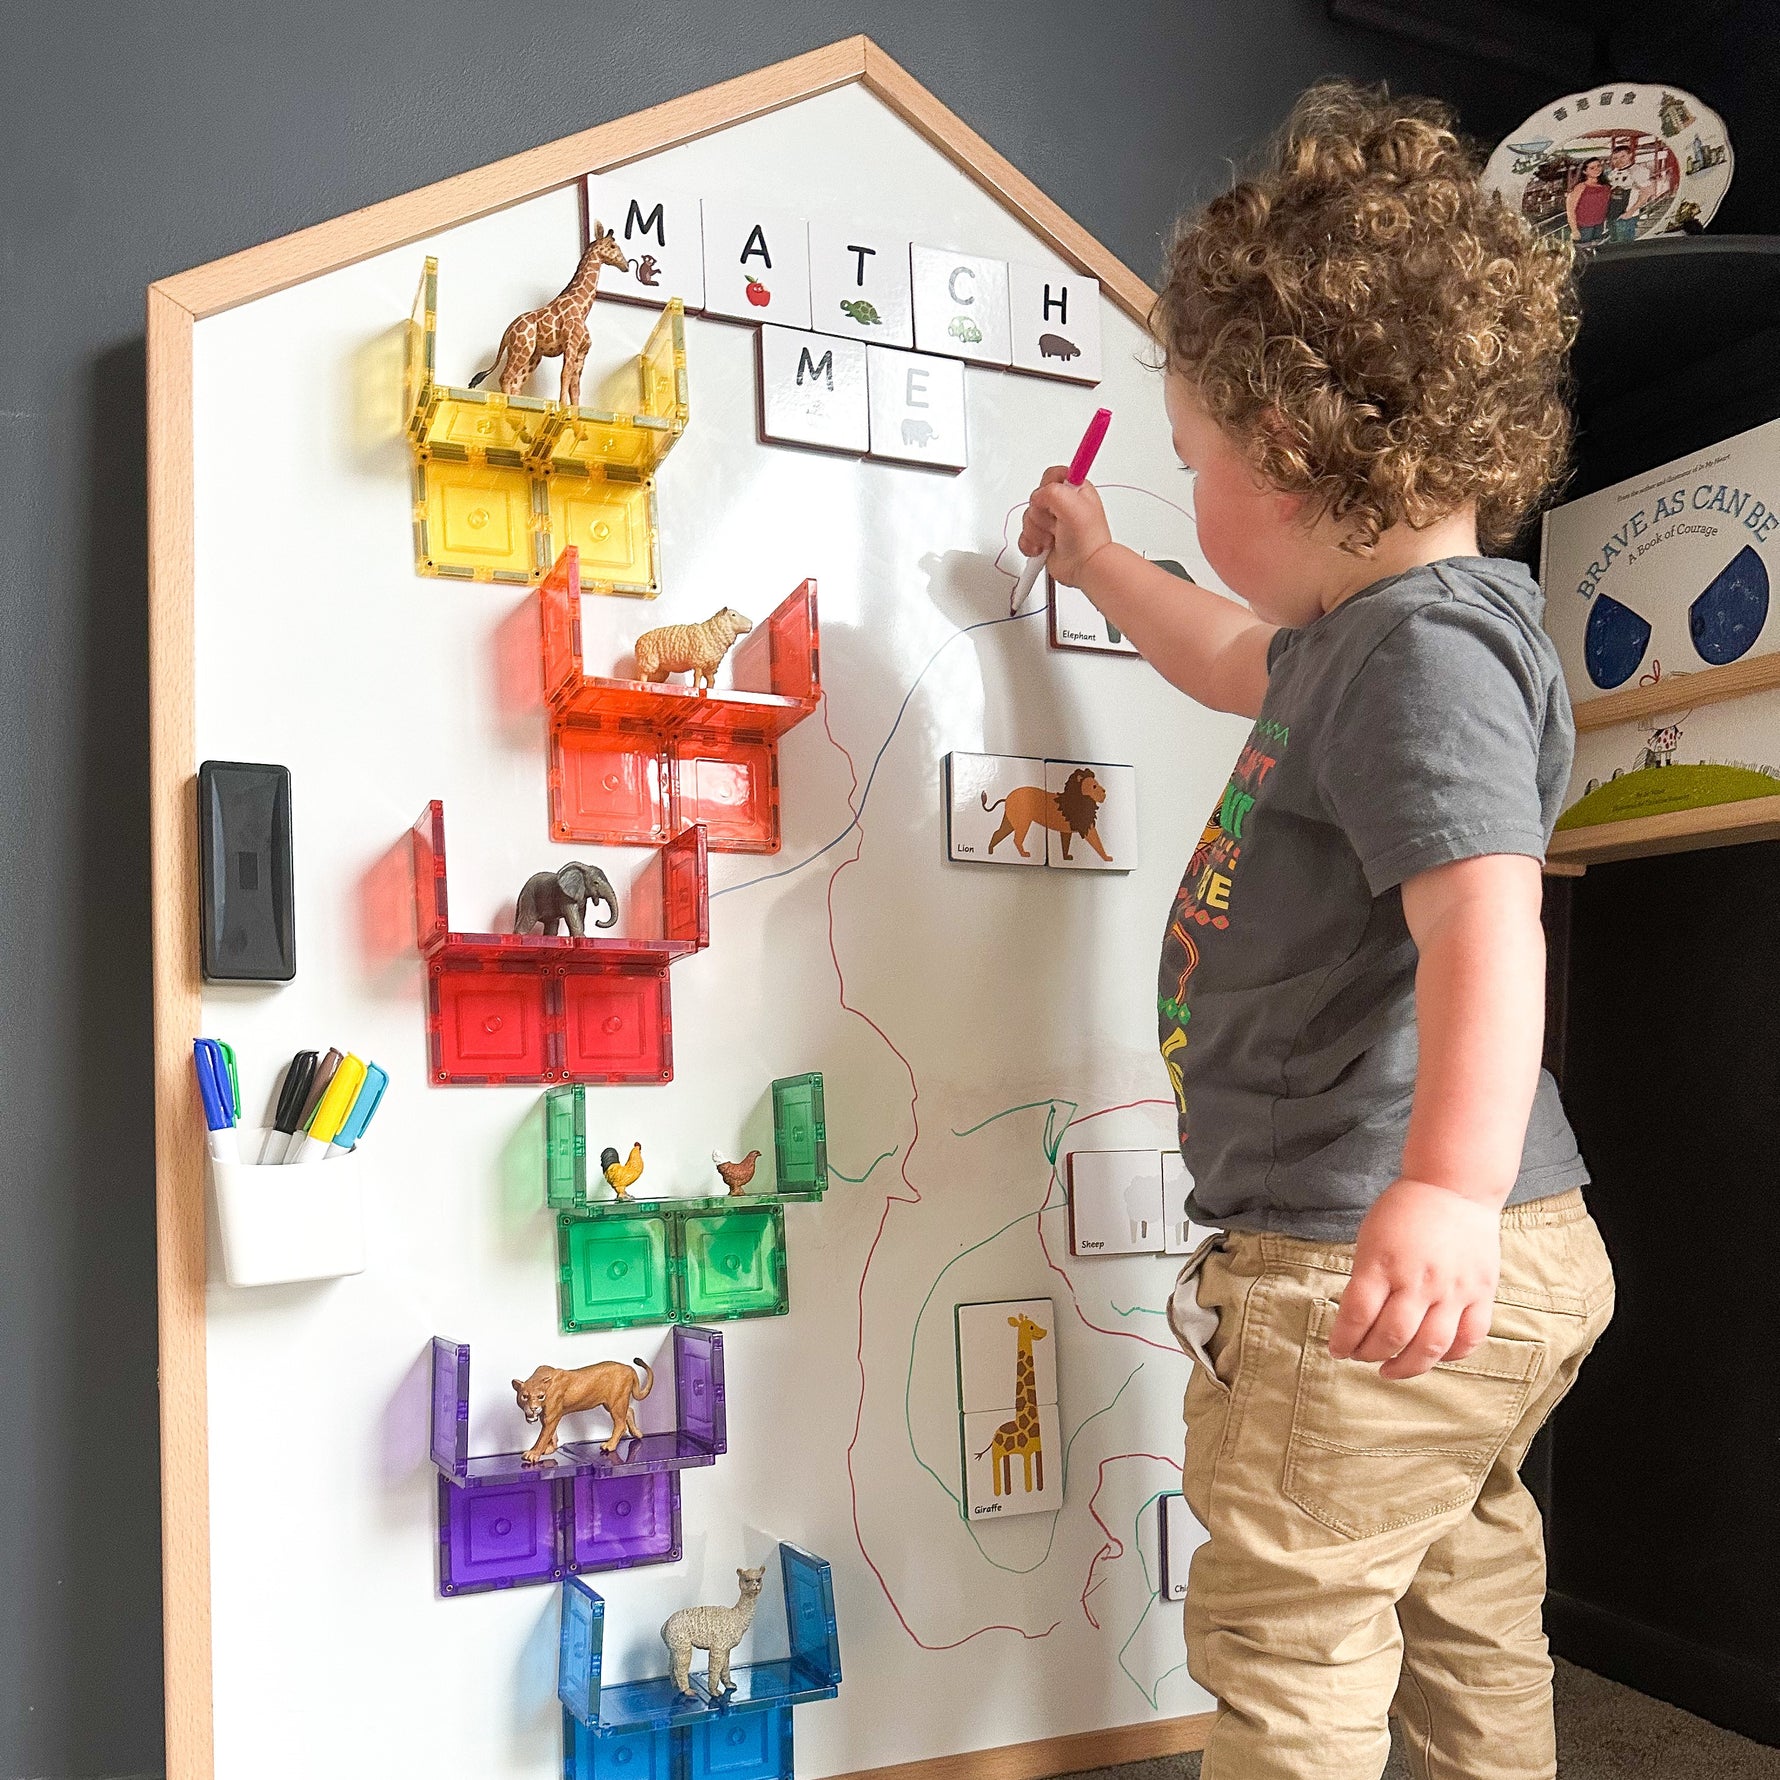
{"x": 1371, "y": 1547}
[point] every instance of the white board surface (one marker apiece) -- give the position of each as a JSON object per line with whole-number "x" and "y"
{"x": 967, "y": 994}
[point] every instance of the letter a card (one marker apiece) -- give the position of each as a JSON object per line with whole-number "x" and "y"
{"x": 757, "y": 264}
{"x": 812, "y": 390}
{"x": 660, "y": 232}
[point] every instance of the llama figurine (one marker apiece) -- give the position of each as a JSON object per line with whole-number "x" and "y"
{"x": 717, "y": 1630}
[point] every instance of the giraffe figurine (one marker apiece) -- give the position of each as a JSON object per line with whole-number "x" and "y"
{"x": 1022, "y": 1436}
{"x": 559, "y": 328}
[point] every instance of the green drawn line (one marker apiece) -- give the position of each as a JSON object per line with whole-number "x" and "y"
{"x": 1136, "y": 1310}
{"x": 858, "y": 1179}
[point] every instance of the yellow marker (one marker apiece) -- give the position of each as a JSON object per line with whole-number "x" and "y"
{"x": 331, "y": 1111}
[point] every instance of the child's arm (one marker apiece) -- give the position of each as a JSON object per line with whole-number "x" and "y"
{"x": 1214, "y": 650}
{"x": 1425, "y": 1266}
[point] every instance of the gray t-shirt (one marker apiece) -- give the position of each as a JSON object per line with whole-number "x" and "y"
{"x": 1423, "y": 720}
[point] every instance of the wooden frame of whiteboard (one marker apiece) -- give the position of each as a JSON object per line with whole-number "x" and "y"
{"x": 175, "y": 305}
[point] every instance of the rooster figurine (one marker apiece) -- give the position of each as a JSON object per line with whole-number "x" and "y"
{"x": 736, "y": 1175}
{"x": 622, "y": 1176}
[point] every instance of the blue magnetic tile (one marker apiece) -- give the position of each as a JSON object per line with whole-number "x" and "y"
{"x": 579, "y": 1650}
{"x": 809, "y": 1614}
{"x": 640, "y": 1755}
{"x": 741, "y": 1745}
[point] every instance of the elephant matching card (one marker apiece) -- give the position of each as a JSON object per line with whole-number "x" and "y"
{"x": 812, "y": 391}
{"x": 917, "y": 407}
{"x": 961, "y": 305}
{"x": 859, "y": 284}
{"x": 1007, "y": 1401}
{"x": 1054, "y": 323}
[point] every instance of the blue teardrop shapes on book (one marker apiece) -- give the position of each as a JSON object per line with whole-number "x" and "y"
{"x": 1727, "y": 618}
{"x": 1614, "y": 643}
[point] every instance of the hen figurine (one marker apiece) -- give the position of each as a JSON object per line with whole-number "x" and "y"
{"x": 736, "y": 1175}
{"x": 621, "y": 1176}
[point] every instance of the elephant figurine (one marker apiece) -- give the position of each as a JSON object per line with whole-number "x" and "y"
{"x": 549, "y": 898}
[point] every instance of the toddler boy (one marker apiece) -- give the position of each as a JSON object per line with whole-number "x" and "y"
{"x": 1365, "y": 361}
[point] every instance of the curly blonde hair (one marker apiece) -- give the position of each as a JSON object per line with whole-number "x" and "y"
{"x": 1377, "y": 331}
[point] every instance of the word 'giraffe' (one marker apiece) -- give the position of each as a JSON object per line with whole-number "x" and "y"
{"x": 559, "y": 328}
{"x": 1022, "y": 1435}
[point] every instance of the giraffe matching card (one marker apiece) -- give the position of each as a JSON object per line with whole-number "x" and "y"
{"x": 757, "y": 264}
{"x": 960, "y": 305}
{"x": 1115, "y": 1202}
{"x": 859, "y": 283}
{"x": 812, "y": 390}
{"x": 660, "y": 231}
{"x": 1054, "y": 322}
{"x": 1012, "y": 1448}
{"x": 917, "y": 407}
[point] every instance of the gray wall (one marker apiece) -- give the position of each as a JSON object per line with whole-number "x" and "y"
{"x": 136, "y": 140}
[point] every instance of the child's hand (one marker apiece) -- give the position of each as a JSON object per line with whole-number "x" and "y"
{"x": 1424, "y": 1280}
{"x": 1069, "y": 523}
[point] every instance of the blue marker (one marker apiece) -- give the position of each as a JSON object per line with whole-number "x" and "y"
{"x": 219, "y": 1106}
{"x": 370, "y": 1096}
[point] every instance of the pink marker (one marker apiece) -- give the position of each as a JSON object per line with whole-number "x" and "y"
{"x": 1079, "y": 466}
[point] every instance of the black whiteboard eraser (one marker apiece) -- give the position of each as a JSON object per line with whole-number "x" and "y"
{"x": 246, "y": 902}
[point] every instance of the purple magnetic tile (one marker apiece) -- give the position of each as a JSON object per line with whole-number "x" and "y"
{"x": 617, "y": 1521}
{"x": 496, "y": 1537}
{"x": 451, "y": 1405}
{"x": 698, "y": 1380}
{"x": 580, "y": 1458}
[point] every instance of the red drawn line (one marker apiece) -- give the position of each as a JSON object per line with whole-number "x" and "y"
{"x": 912, "y": 1197}
{"x": 1114, "y": 1546}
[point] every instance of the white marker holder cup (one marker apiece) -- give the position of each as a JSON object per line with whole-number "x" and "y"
{"x": 281, "y": 1224}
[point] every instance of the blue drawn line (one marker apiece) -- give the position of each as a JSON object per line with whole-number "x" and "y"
{"x": 870, "y": 777}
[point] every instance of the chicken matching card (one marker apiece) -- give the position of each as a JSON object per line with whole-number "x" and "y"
{"x": 757, "y": 264}
{"x": 859, "y": 284}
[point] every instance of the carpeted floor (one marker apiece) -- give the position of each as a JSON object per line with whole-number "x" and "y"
{"x": 1605, "y": 1732}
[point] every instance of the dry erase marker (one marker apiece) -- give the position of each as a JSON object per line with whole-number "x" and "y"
{"x": 213, "y": 1090}
{"x": 1079, "y": 466}
{"x": 335, "y": 1104}
{"x": 291, "y": 1097}
{"x": 369, "y": 1098}
{"x": 318, "y": 1086}
{"x": 228, "y": 1057}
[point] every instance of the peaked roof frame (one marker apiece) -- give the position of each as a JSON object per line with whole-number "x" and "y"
{"x": 175, "y": 306}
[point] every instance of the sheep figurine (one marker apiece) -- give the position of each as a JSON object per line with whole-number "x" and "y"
{"x": 695, "y": 649}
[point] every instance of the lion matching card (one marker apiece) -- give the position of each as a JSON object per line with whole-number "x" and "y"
{"x": 1007, "y": 809}
{"x": 1007, "y": 1403}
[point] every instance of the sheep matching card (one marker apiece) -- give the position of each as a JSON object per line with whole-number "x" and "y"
{"x": 661, "y": 232}
{"x": 812, "y": 390}
{"x": 917, "y": 407}
{"x": 1012, "y": 1456}
{"x": 1054, "y": 323}
{"x": 859, "y": 284}
{"x": 1180, "y": 1235}
{"x": 1115, "y": 1202}
{"x": 960, "y": 305}
{"x": 757, "y": 264}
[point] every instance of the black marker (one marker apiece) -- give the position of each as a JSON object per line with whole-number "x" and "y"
{"x": 291, "y": 1100}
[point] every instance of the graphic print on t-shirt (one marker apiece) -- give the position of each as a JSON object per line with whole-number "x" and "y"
{"x": 1202, "y": 904}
